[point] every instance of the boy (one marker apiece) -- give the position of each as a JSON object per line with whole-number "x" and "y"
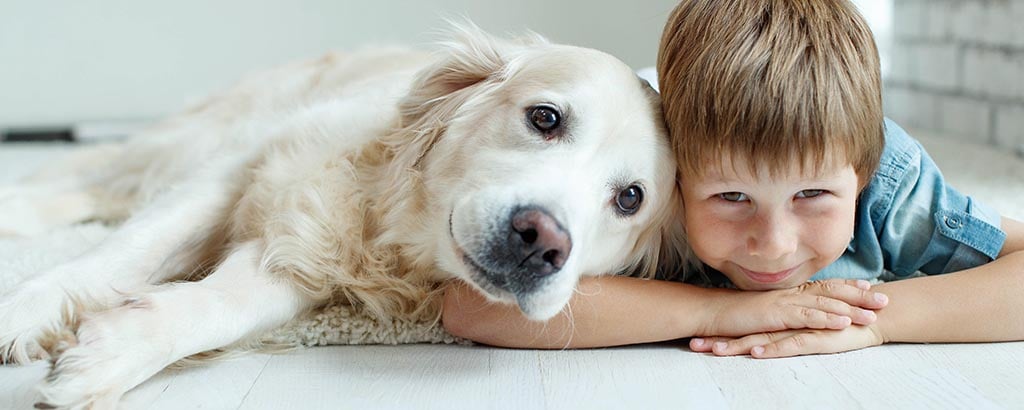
{"x": 790, "y": 173}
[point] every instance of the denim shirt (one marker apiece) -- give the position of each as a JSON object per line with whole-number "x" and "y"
{"x": 910, "y": 220}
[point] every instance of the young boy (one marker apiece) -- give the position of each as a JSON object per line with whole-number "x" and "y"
{"x": 790, "y": 173}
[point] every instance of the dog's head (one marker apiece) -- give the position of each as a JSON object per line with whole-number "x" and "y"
{"x": 540, "y": 163}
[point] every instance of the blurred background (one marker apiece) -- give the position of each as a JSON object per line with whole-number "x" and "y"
{"x": 954, "y": 67}
{"x": 67, "y": 61}
{"x": 957, "y": 68}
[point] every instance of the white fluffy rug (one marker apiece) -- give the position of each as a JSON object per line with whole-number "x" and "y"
{"x": 994, "y": 177}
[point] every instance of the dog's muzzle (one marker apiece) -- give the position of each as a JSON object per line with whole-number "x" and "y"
{"x": 532, "y": 247}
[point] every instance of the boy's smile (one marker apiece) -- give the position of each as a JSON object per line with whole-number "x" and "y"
{"x": 767, "y": 231}
{"x": 769, "y": 277}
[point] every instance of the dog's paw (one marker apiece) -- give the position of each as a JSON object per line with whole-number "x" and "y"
{"x": 111, "y": 354}
{"x": 67, "y": 390}
{"x": 85, "y": 373}
{"x": 73, "y": 401}
{"x": 31, "y": 318}
{"x": 58, "y": 398}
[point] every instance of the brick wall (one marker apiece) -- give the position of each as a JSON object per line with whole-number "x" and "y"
{"x": 956, "y": 67}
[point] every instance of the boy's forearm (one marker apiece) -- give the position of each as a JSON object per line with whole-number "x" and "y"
{"x": 983, "y": 304}
{"x": 605, "y": 311}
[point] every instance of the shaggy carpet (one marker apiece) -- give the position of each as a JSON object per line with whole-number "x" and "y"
{"x": 992, "y": 176}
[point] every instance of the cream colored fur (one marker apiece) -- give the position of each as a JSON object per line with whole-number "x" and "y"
{"x": 365, "y": 180}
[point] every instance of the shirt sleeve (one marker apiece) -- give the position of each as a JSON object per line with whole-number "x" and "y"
{"x": 930, "y": 226}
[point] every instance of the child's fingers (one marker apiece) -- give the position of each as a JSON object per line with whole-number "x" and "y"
{"x": 863, "y": 316}
{"x": 836, "y": 307}
{"x": 773, "y": 345}
{"x": 744, "y": 344}
{"x": 852, "y": 293}
{"x": 793, "y": 345}
{"x": 814, "y": 317}
{"x": 704, "y": 344}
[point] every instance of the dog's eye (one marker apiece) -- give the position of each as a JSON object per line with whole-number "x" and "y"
{"x": 544, "y": 118}
{"x": 628, "y": 200}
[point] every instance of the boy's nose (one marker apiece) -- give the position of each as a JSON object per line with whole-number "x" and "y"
{"x": 772, "y": 237}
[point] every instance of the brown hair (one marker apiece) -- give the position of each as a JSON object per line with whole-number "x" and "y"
{"x": 771, "y": 81}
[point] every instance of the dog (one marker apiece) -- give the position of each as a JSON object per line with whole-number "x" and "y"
{"x": 370, "y": 178}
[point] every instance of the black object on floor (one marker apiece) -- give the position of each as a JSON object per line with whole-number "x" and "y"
{"x": 38, "y": 135}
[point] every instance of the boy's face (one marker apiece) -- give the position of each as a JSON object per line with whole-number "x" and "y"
{"x": 767, "y": 232}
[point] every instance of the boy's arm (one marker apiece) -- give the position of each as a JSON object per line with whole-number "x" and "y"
{"x": 1014, "y": 236}
{"x": 981, "y": 304}
{"x": 617, "y": 310}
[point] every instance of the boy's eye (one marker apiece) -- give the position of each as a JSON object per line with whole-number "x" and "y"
{"x": 733, "y": 196}
{"x": 810, "y": 193}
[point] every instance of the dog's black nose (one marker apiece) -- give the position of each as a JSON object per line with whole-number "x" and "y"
{"x": 539, "y": 241}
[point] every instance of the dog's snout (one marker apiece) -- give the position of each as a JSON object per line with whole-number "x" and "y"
{"x": 524, "y": 251}
{"x": 538, "y": 238}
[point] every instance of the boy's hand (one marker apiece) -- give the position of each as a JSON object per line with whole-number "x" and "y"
{"x": 829, "y": 304}
{"x": 791, "y": 342}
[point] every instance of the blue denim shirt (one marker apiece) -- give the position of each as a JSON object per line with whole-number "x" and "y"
{"x": 909, "y": 220}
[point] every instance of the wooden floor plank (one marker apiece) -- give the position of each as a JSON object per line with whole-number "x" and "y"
{"x": 657, "y": 376}
{"x": 976, "y": 376}
{"x": 219, "y": 385}
{"x": 777, "y": 383}
{"x": 399, "y": 377}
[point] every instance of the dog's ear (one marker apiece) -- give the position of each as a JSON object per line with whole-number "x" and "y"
{"x": 468, "y": 58}
{"x": 662, "y": 249}
{"x": 465, "y": 64}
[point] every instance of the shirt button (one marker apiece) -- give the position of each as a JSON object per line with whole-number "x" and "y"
{"x": 953, "y": 222}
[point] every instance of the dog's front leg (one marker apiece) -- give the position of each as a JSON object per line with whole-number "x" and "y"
{"x": 151, "y": 246}
{"x": 120, "y": 348}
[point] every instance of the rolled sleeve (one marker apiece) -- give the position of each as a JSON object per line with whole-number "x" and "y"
{"x": 976, "y": 233}
{"x": 932, "y": 227}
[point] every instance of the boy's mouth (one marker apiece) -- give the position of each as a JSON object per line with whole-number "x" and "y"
{"x": 769, "y": 277}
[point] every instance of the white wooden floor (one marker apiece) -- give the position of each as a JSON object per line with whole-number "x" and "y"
{"x": 659, "y": 376}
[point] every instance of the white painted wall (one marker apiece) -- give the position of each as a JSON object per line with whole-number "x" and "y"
{"x": 64, "y": 61}
{"x": 878, "y": 13}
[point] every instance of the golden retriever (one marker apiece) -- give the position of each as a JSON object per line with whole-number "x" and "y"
{"x": 371, "y": 178}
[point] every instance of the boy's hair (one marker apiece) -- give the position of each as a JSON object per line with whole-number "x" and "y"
{"x": 773, "y": 83}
